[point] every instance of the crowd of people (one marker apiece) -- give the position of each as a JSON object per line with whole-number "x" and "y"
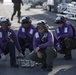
{"x": 40, "y": 40}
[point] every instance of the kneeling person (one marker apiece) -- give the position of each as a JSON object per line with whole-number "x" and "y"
{"x": 43, "y": 42}
{"x": 66, "y": 37}
{"x": 8, "y": 40}
{"x": 25, "y": 34}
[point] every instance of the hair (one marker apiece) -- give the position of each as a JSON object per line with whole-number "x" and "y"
{"x": 44, "y": 25}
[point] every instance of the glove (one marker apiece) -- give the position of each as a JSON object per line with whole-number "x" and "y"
{"x": 58, "y": 47}
{"x": 3, "y": 57}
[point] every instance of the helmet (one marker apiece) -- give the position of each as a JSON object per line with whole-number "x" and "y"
{"x": 25, "y": 19}
{"x": 42, "y": 23}
{"x": 5, "y": 21}
{"x": 60, "y": 19}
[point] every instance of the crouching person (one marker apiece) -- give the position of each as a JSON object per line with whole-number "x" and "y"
{"x": 66, "y": 37}
{"x": 8, "y": 40}
{"x": 43, "y": 42}
{"x": 25, "y": 34}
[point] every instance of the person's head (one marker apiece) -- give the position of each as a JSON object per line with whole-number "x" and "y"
{"x": 60, "y": 21}
{"x": 5, "y": 23}
{"x": 42, "y": 26}
{"x": 25, "y": 21}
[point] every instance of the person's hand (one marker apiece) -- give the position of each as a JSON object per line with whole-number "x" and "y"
{"x": 59, "y": 37}
{"x": 59, "y": 47}
{"x": 3, "y": 57}
{"x": 39, "y": 54}
{"x": 10, "y": 37}
{"x": 20, "y": 55}
{"x": 37, "y": 49}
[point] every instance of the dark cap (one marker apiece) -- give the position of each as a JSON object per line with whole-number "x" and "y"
{"x": 25, "y": 19}
{"x": 4, "y": 20}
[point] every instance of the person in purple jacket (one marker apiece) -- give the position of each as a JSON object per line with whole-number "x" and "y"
{"x": 43, "y": 43}
{"x": 8, "y": 40}
{"x": 25, "y": 34}
{"x": 66, "y": 37}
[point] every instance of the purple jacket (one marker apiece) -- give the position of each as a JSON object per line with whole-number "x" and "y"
{"x": 23, "y": 33}
{"x": 4, "y": 39}
{"x": 65, "y": 31}
{"x": 43, "y": 40}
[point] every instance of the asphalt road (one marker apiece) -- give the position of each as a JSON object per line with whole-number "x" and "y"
{"x": 61, "y": 66}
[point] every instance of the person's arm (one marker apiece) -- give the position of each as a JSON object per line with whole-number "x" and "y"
{"x": 22, "y": 3}
{"x": 20, "y": 33}
{"x": 12, "y": 1}
{"x": 15, "y": 39}
{"x": 69, "y": 32}
{"x": 34, "y": 43}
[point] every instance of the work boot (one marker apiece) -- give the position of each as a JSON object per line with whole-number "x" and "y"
{"x": 43, "y": 67}
{"x": 14, "y": 65}
{"x": 49, "y": 68}
{"x": 68, "y": 57}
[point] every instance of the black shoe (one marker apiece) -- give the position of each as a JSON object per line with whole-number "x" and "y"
{"x": 43, "y": 67}
{"x": 20, "y": 57}
{"x": 49, "y": 68}
{"x": 69, "y": 57}
{"x": 14, "y": 65}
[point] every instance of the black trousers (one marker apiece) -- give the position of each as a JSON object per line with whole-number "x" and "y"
{"x": 67, "y": 45}
{"x": 10, "y": 48}
{"x": 23, "y": 45}
{"x": 47, "y": 58}
{"x": 17, "y": 8}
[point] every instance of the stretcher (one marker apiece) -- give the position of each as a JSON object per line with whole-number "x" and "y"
{"x": 25, "y": 63}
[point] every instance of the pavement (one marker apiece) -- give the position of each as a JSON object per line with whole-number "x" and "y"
{"x": 61, "y": 66}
